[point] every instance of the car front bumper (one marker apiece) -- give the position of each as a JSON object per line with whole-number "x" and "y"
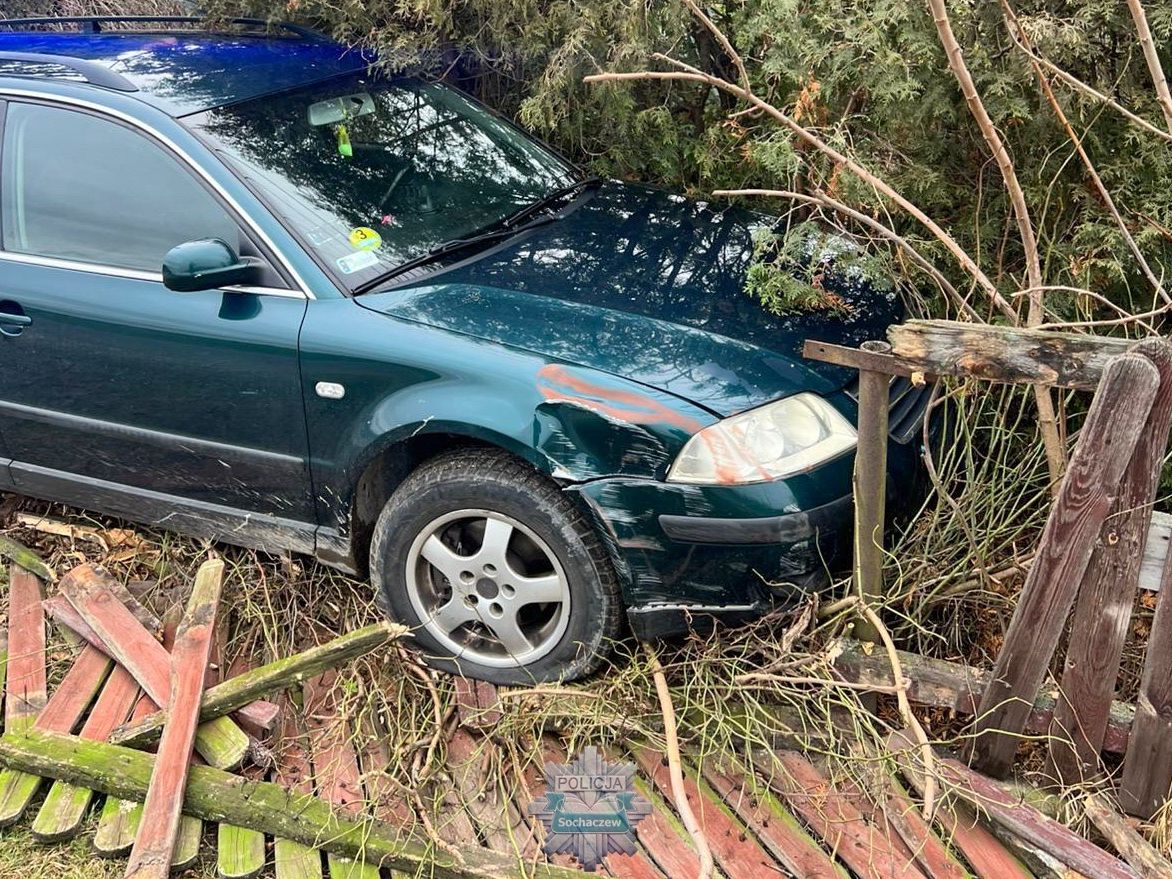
{"x": 692, "y": 555}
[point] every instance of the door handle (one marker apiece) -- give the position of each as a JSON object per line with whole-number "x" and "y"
{"x": 13, "y": 320}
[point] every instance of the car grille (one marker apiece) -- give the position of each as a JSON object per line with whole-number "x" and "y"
{"x": 906, "y": 406}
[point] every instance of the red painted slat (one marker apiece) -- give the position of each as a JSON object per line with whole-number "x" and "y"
{"x": 796, "y": 851}
{"x": 27, "y": 687}
{"x": 865, "y": 849}
{"x": 738, "y": 855}
{"x": 76, "y": 691}
{"x": 151, "y": 856}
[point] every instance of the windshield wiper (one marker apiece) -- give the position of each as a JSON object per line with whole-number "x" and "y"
{"x": 549, "y": 200}
{"x": 512, "y": 225}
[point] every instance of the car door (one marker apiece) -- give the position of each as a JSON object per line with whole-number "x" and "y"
{"x": 115, "y": 392}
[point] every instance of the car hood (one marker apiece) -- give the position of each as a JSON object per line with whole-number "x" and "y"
{"x": 651, "y": 287}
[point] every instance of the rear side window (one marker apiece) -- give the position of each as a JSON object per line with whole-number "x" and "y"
{"x": 81, "y": 188}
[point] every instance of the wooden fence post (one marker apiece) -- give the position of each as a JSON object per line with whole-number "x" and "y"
{"x": 1113, "y": 426}
{"x": 1107, "y": 593}
{"x": 1147, "y": 768}
{"x": 870, "y": 486}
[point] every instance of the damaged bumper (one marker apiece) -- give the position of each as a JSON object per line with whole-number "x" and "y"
{"x": 690, "y": 556}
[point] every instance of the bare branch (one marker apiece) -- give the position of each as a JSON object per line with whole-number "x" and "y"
{"x": 1152, "y": 58}
{"x": 1047, "y": 421}
{"x": 724, "y": 42}
{"x": 1022, "y": 39}
{"x": 1078, "y": 85}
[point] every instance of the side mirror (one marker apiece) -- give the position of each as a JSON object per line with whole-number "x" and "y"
{"x": 207, "y": 264}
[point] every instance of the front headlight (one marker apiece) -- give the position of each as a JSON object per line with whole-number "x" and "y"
{"x": 772, "y": 441}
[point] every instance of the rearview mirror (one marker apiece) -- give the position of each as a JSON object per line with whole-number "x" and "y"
{"x": 207, "y": 264}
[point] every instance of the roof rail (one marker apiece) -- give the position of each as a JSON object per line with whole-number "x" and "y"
{"x": 92, "y": 24}
{"x": 90, "y": 71}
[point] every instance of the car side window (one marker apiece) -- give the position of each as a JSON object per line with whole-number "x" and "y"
{"x": 77, "y": 187}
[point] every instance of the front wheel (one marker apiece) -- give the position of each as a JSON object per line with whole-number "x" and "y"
{"x": 497, "y": 573}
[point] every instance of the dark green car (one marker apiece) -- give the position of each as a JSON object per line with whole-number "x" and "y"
{"x": 251, "y": 290}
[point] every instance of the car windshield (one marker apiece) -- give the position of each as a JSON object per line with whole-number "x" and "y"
{"x": 373, "y": 172}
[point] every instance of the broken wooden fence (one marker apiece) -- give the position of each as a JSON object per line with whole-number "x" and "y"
{"x": 1092, "y": 548}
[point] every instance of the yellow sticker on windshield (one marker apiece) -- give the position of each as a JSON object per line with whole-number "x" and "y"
{"x": 365, "y": 238}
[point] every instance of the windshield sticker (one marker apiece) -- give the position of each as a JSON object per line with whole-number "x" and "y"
{"x": 365, "y": 238}
{"x": 344, "y": 148}
{"x": 356, "y": 262}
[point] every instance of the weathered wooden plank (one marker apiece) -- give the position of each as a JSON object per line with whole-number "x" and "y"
{"x": 221, "y": 742}
{"x": 861, "y": 359}
{"x": 1147, "y": 768}
{"x": 293, "y": 771}
{"x": 863, "y": 847}
{"x": 1155, "y": 551}
{"x": 117, "y": 827}
{"x": 958, "y": 687}
{"x": 61, "y": 713}
{"x": 118, "y": 820}
{"x": 240, "y": 853}
{"x": 3, "y": 664}
{"x": 477, "y": 703}
{"x": 243, "y": 690}
{"x": 985, "y": 854}
{"x": 487, "y": 806}
{"x": 738, "y": 854}
{"x": 886, "y": 803}
{"x": 335, "y": 766}
{"x": 23, "y": 557}
{"x": 1006, "y": 808}
{"x": 27, "y": 687}
{"x": 1106, "y": 596}
{"x": 663, "y": 837}
{"x": 1109, "y": 435}
{"x": 1134, "y": 849}
{"x": 1004, "y": 354}
{"x": 774, "y": 825}
{"x": 151, "y": 856}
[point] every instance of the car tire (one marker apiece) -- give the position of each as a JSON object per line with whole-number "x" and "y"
{"x": 505, "y": 534}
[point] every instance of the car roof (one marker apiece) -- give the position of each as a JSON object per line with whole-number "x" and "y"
{"x": 187, "y": 72}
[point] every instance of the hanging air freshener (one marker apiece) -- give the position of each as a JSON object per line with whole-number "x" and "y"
{"x": 344, "y": 148}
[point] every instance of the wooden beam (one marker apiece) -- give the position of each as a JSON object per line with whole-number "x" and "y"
{"x": 221, "y": 742}
{"x": 215, "y": 795}
{"x": 249, "y": 686}
{"x": 151, "y": 856}
{"x": 1005, "y": 807}
{"x": 1102, "y": 614}
{"x": 1004, "y": 354}
{"x": 958, "y": 687}
{"x": 1109, "y": 435}
{"x": 861, "y": 359}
